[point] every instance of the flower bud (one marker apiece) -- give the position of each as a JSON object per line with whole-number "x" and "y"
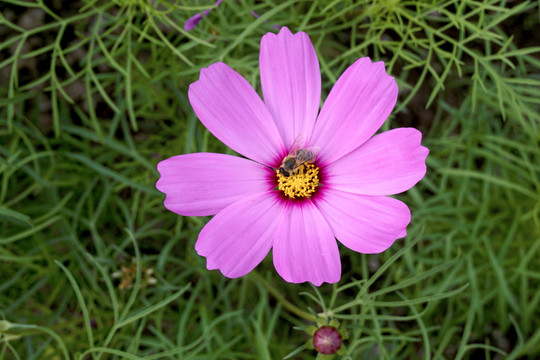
{"x": 327, "y": 340}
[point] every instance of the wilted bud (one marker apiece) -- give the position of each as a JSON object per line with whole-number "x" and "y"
{"x": 128, "y": 274}
{"x": 327, "y": 340}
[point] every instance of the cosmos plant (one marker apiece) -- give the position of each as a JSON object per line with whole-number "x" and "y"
{"x": 306, "y": 177}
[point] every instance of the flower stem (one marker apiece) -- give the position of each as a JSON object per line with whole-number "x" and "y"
{"x": 276, "y": 294}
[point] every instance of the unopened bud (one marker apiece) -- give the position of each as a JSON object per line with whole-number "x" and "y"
{"x": 327, "y": 340}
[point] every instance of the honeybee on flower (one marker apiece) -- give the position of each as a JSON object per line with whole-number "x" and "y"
{"x": 297, "y": 157}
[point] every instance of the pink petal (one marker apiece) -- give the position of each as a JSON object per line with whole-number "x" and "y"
{"x": 204, "y": 183}
{"x": 291, "y": 82}
{"x": 305, "y": 248}
{"x": 367, "y": 224}
{"x": 388, "y": 163}
{"x": 195, "y": 19}
{"x": 192, "y": 22}
{"x": 229, "y": 107}
{"x": 356, "y": 107}
{"x": 239, "y": 237}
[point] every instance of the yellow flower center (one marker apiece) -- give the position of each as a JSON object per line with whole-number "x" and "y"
{"x": 302, "y": 183}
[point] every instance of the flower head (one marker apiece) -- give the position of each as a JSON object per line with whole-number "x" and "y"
{"x": 308, "y": 177}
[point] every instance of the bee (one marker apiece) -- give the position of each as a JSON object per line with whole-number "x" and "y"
{"x": 297, "y": 157}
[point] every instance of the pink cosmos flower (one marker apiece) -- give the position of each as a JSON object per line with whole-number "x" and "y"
{"x": 341, "y": 194}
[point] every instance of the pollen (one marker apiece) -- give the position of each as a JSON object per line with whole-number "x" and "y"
{"x": 302, "y": 183}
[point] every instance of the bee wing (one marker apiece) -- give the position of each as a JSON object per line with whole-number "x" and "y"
{"x": 298, "y": 143}
{"x": 307, "y": 155}
{"x": 315, "y": 150}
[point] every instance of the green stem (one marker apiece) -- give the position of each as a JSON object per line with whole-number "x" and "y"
{"x": 286, "y": 304}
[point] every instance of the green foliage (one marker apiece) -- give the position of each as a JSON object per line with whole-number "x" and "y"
{"x": 94, "y": 94}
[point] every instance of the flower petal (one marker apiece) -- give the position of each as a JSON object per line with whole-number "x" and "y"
{"x": 356, "y": 107}
{"x": 387, "y": 164}
{"x": 239, "y": 237}
{"x": 195, "y": 19}
{"x": 305, "y": 248}
{"x": 204, "y": 183}
{"x": 229, "y": 107}
{"x": 367, "y": 224}
{"x": 192, "y": 22}
{"x": 291, "y": 82}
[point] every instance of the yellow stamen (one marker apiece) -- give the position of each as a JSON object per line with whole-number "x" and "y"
{"x": 302, "y": 183}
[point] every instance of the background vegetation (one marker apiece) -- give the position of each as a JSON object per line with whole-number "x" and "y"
{"x": 92, "y": 266}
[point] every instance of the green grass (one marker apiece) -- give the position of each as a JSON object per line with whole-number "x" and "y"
{"x": 94, "y": 94}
